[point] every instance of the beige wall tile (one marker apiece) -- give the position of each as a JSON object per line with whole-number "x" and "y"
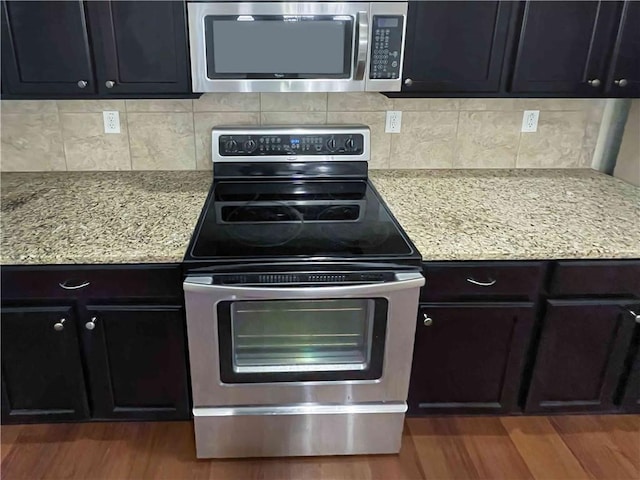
{"x": 427, "y": 140}
{"x": 380, "y": 141}
{"x": 81, "y": 106}
{"x": 358, "y": 102}
{"x": 161, "y": 141}
{"x": 557, "y": 143}
{"x": 31, "y": 142}
{"x": 205, "y": 121}
{"x": 182, "y": 105}
{"x": 293, "y": 102}
{"x": 87, "y": 147}
{"x": 293, "y": 118}
{"x": 487, "y": 139}
{"x": 28, "y": 106}
{"x": 227, "y": 102}
{"x": 488, "y": 104}
{"x": 565, "y": 104}
{"x": 425, "y": 104}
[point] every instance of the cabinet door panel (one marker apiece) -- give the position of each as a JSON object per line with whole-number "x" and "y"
{"x": 580, "y": 356}
{"x": 626, "y": 55}
{"x": 563, "y": 45}
{"x": 41, "y": 366}
{"x": 456, "y": 46}
{"x": 470, "y": 359}
{"x": 142, "y": 46}
{"x": 137, "y": 361}
{"x": 45, "y": 48}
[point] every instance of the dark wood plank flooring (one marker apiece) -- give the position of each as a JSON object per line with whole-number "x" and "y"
{"x": 542, "y": 448}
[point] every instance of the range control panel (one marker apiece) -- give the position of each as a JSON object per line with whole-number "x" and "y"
{"x": 282, "y": 144}
{"x": 386, "y": 45}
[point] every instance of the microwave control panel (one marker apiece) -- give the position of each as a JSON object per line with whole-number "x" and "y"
{"x": 386, "y": 47}
{"x": 276, "y": 145}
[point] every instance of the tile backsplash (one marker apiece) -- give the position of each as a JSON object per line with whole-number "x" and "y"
{"x": 175, "y": 134}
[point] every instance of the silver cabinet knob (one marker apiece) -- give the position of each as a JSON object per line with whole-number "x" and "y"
{"x": 91, "y": 324}
{"x": 428, "y": 321}
{"x": 635, "y": 316}
{"x": 594, "y": 82}
{"x": 59, "y": 326}
{"x": 110, "y": 84}
{"x": 82, "y": 83}
{"x": 623, "y": 82}
{"x": 408, "y": 82}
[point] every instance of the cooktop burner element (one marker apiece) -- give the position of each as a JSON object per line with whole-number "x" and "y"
{"x": 268, "y": 205}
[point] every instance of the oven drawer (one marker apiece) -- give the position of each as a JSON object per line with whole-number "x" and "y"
{"x": 609, "y": 277}
{"x": 469, "y": 280}
{"x": 61, "y": 282}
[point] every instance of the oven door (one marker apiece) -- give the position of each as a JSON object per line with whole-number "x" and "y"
{"x": 278, "y": 46}
{"x": 267, "y": 345}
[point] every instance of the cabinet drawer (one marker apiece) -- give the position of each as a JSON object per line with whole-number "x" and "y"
{"x": 615, "y": 277}
{"x": 470, "y": 280}
{"x": 92, "y": 282}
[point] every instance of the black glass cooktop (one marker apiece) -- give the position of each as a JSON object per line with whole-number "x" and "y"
{"x": 296, "y": 218}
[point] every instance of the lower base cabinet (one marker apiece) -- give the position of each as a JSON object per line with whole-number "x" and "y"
{"x": 469, "y": 357}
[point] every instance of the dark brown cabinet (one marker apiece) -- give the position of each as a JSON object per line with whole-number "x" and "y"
{"x": 624, "y": 72}
{"x": 455, "y": 46}
{"x": 580, "y": 357}
{"x": 629, "y": 390}
{"x": 469, "y": 357}
{"x": 42, "y": 376}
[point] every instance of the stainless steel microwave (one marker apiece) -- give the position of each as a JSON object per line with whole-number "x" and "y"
{"x": 297, "y": 46}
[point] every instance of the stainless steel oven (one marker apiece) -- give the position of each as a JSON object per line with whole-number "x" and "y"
{"x": 296, "y": 46}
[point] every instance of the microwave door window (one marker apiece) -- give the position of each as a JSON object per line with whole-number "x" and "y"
{"x": 263, "y": 47}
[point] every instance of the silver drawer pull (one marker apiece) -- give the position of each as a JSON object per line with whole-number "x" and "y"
{"x": 91, "y": 324}
{"x": 635, "y": 316}
{"x": 73, "y": 287}
{"x": 482, "y": 284}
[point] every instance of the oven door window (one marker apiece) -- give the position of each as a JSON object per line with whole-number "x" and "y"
{"x": 277, "y": 47}
{"x": 301, "y": 340}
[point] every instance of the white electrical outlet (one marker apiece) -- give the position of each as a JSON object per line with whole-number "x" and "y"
{"x": 530, "y": 121}
{"x": 111, "y": 121}
{"x": 394, "y": 121}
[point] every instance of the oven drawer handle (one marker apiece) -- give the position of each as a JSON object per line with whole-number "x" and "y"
{"x": 490, "y": 283}
{"x": 404, "y": 281}
{"x": 73, "y": 287}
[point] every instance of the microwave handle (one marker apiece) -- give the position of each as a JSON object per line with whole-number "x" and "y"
{"x": 362, "y": 35}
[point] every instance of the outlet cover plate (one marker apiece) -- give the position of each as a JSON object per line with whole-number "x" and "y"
{"x": 394, "y": 121}
{"x": 111, "y": 121}
{"x": 530, "y": 121}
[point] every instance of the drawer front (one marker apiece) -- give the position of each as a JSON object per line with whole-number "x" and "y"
{"x": 470, "y": 281}
{"x": 123, "y": 282}
{"x": 611, "y": 277}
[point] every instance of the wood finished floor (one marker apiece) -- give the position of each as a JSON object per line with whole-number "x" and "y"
{"x": 563, "y": 447}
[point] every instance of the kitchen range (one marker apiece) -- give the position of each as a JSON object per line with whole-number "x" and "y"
{"x": 301, "y": 294}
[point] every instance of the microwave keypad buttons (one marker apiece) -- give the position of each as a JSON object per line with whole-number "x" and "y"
{"x": 386, "y": 45}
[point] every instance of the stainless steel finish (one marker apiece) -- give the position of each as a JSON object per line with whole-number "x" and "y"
{"x": 202, "y": 298}
{"x": 635, "y": 316}
{"x": 310, "y": 130}
{"x": 427, "y": 321}
{"x": 623, "y": 82}
{"x": 82, "y": 83}
{"x": 59, "y": 326}
{"x": 490, "y": 283}
{"x": 74, "y": 287}
{"x": 300, "y": 430}
{"x": 594, "y": 82}
{"x": 408, "y": 82}
{"x": 362, "y": 13}
{"x": 109, "y": 84}
{"x": 91, "y": 324}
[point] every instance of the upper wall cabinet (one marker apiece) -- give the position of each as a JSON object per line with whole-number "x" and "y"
{"x": 94, "y": 49}
{"x": 455, "y": 46}
{"x": 624, "y": 74}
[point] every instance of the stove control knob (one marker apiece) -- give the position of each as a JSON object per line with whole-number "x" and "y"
{"x": 250, "y": 145}
{"x": 350, "y": 144}
{"x": 331, "y": 144}
{"x": 230, "y": 146}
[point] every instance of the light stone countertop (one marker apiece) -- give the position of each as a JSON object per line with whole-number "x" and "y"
{"x": 514, "y": 214}
{"x": 137, "y": 217}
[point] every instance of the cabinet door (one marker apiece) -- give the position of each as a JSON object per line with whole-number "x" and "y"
{"x": 624, "y": 79}
{"x": 42, "y": 375}
{"x": 137, "y": 362}
{"x": 580, "y": 356}
{"x": 140, "y": 46}
{"x": 563, "y": 47}
{"x": 468, "y": 358}
{"x": 455, "y": 46}
{"x": 45, "y": 48}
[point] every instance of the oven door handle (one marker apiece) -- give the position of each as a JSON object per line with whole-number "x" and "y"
{"x": 403, "y": 281}
{"x": 362, "y": 44}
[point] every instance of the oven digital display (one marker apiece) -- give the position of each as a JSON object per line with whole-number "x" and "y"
{"x": 295, "y": 141}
